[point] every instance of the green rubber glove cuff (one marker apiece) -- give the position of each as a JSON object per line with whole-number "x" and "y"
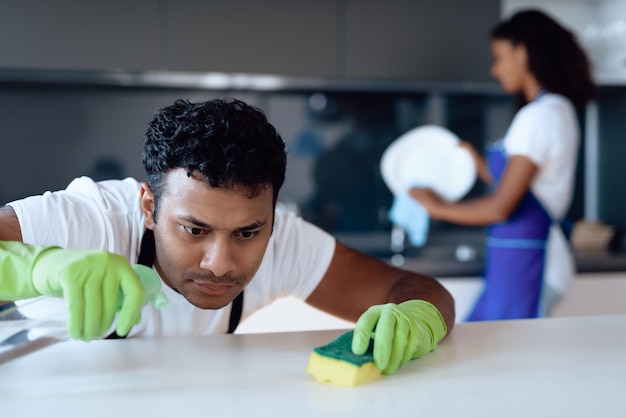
{"x": 401, "y": 332}
{"x": 45, "y": 268}
{"x": 151, "y": 283}
{"x": 16, "y": 267}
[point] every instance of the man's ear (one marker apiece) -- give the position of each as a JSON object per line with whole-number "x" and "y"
{"x": 146, "y": 197}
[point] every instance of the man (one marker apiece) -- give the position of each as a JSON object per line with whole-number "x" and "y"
{"x": 207, "y": 221}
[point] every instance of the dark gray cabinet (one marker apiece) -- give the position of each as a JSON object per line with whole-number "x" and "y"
{"x": 425, "y": 40}
{"x": 285, "y": 37}
{"x": 79, "y": 35}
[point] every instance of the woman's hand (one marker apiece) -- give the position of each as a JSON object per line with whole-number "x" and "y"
{"x": 468, "y": 146}
{"x": 482, "y": 170}
{"x": 430, "y": 200}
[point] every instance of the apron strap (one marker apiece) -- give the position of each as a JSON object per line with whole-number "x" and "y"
{"x": 235, "y": 313}
{"x": 146, "y": 258}
{"x": 147, "y": 249}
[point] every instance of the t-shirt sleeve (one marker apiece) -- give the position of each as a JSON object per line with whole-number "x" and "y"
{"x": 86, "y": 214}
{"x": 531, "y": 134}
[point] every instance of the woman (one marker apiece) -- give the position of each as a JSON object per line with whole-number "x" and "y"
{"x": 531, "y": 170}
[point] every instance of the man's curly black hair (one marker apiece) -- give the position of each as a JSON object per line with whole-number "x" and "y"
{"x": 227, "y": 141}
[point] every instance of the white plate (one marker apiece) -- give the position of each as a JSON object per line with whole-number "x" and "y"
{"x": 428, "y": 156}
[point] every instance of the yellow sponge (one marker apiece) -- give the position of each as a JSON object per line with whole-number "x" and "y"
{"x": 335, "y": 363}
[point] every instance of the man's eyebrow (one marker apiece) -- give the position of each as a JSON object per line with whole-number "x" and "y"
{"x": 195, "y": 221}
{"x": 255, "y": 225}
{"x": 200, "y": 224}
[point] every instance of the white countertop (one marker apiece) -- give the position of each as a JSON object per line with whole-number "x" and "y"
{"x": 558, "y": 367}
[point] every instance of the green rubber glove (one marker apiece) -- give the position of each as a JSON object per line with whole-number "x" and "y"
{"x": 401, "y": 332}
{"x": 91, "y": 282}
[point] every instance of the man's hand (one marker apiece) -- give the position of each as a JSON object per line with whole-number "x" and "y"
{"x": 401, "y": 332}
{"x": 90, "y": 281}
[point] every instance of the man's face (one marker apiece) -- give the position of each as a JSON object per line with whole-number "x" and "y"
{"x": 209, "y": 241}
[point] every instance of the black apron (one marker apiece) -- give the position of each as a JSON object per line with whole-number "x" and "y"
{"x": 146, "y": 258}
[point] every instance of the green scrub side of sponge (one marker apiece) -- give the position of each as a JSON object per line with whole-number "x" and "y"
{"x": 335, "y": 363}
{"x": 341, "y": 349}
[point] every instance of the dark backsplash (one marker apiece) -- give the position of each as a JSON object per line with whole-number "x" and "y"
{"x": 53, "y": 132}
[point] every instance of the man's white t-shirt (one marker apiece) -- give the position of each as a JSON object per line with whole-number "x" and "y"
{"x": 106, "y": 215}
{"x": 546, "y": 131}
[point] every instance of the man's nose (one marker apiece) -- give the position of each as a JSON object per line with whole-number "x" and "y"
{"x": 219, "y": 257}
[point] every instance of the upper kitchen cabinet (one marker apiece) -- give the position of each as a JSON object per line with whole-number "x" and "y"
{"x": 285, "y": 37}
{"x": 398, "y": 40}
{"x": 426, "y": 40}
{"x": 79, "y": 35}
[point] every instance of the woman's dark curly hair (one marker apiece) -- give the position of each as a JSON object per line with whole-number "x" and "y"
{"x": 227, "y": 141}
{"x": 554, "y": 56}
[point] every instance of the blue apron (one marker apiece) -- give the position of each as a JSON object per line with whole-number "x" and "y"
{"x": 515, "y": 257}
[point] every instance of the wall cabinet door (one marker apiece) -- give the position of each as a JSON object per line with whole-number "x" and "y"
{"x": 79, "y": 35}
{"x": 426, "y": 40}
{"x": 283, "y": 37}
{"x": 399, "y": 40}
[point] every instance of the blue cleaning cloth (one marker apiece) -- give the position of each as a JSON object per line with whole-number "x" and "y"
{"x": 410, "y": 216}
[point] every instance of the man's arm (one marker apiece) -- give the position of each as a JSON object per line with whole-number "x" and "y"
{"x": 494, "y": 207}
{"x": 9, "y": 228}
{"x": 355, "y": 281}
{"x": 9, "y": 225}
